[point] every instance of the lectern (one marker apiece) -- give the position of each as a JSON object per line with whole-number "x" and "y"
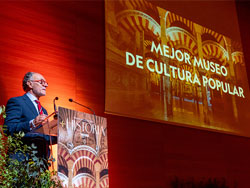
{"x": 49, "y": 127}
{"x": 82, "y": 153}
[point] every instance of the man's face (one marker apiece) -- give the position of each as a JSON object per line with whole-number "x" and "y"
{"x": 38, "y": 85}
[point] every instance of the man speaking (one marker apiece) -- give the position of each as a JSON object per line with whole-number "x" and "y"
{"x": 26, "y": 114}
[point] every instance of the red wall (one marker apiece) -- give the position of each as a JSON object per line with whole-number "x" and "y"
{"x": 65, "y": 41}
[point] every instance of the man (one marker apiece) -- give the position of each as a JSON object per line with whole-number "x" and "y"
{"x": 26, "y": 114}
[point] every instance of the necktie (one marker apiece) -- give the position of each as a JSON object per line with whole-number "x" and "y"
{"x": 40, "y": 111}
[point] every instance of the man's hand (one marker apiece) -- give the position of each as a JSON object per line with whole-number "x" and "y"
{"x": 39, "y": 119}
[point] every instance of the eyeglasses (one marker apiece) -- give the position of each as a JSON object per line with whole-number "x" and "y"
{"x": 42, "y": 82}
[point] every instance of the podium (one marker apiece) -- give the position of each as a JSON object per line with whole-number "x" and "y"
{"x": 82, "y": 148}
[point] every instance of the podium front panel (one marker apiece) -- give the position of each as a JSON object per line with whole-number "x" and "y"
{"x": 82, "y": 150}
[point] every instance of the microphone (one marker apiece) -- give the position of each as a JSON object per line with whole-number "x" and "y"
{"x": 54, "y": 102}
{"x": 55, "y": 110}
{"x": 71, "y": 100}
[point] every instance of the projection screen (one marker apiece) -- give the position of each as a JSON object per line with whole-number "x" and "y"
{"x": 163, "y": 67}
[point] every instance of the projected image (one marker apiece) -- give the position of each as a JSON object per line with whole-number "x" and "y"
{"x": 164, "y": 67}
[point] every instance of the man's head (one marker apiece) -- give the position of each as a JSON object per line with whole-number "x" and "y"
{"x": 35, "y": 83}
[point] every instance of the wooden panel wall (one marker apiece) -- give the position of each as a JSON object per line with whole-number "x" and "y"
{"x": 65, "y": 42}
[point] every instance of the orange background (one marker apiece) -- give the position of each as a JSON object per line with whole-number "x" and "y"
{"x": 64, "y": 41}
{"x": 40, "y": 37}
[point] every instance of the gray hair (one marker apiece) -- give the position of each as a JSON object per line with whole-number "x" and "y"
{"x": 26, "y": 78}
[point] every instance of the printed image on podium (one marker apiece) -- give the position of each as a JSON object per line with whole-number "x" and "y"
{"x": 82, "y": 149}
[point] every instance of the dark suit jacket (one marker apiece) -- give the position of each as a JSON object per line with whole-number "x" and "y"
{"x": 19, "y": 112}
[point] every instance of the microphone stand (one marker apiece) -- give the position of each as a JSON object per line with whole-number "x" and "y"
{"x": 55, "y": 113}
{"x": 71, "y": 100}
{"x": 54, "y": 102}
